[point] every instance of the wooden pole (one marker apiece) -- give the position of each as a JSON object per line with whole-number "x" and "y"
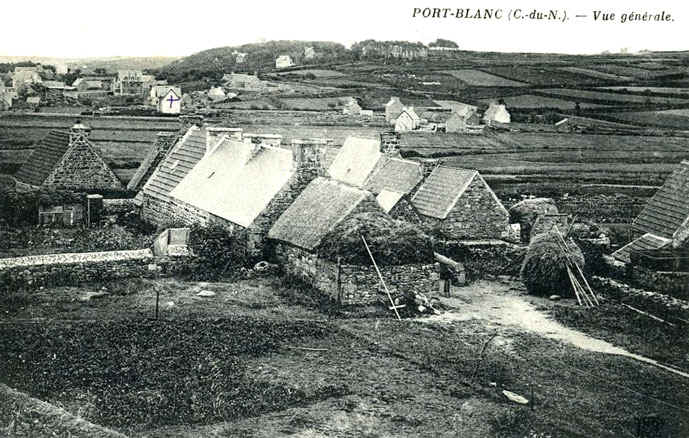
{"x": 392, "y": 303}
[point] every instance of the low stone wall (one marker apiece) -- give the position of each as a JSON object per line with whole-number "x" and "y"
{"x": 356, "y": 284}
{"x": 24, "y": 416}
{"x": 73, "y": 269}
{"x": 484, "y": 258}
{"x": 675, "y": 284}
{"x": 119, "y": 206}
{"x": 666, "y": 307}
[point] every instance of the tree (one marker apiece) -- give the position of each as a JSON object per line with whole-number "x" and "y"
{"x": 444, "y": 43}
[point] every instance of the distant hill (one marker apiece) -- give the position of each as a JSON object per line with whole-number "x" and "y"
{"x": 259, "y": 56}
{"x": 112, "y": 63}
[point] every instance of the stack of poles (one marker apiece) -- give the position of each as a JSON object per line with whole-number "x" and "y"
{"x": 585, "y": 295}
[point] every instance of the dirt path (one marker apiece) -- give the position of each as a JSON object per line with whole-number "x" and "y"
{"x": 500, "y": 305}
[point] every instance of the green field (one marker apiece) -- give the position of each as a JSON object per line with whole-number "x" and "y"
{"x": 671, "y": 119}
{"x": 478, "y": 78}
{"x": 544, "y": 76}
{"x": 614, "y": 98}
{"x": 596, "y": 74}
{"x": 530, "y": 101}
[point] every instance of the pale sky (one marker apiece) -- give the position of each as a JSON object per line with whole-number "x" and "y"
{"x": 81, "y": 28}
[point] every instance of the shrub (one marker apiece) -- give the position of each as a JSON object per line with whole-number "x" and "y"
{"x": 218, "y": 252}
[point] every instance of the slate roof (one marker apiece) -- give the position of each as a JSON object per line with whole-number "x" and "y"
{"x": 177, "y": 164}
{"x": 645, "y": 242}
{"x": 237, "y": 180}
{"x": 441, "y": 191}
{"x": 463, "y": 109}
{"x": 146, "y": 168}
{"x": 46, "y": 155}
{"x": 669, "y": 207}
{"x": 355, "y": 161}
{"x": 396, "y": 175}
{"x": 318, "y": 209}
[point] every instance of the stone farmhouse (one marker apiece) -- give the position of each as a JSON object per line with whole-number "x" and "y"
{"x": 24, "y": 76}
{"x": 283, "y": 61}
{"x": 663, "y": 224}
{"x": 7, "y": 96}
{"x": 67, "y": 160}
{"x": 460, "y": 204}
{"x": 130, "y": 82}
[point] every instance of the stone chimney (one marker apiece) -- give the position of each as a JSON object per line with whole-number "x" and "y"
{"x": 164, "y": 141}
{"x": 390, "y": 143}
{"x": 428, "y": 165}
{"x": 307, "y": 154}
{"x": 264, "y": 139}
{"x": 79, "y": 132}
{"x": 215, "y": 133}
{"x": 187, "y": 121}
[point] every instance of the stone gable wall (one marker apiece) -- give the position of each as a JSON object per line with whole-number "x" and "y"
{"x": 476, "y": 215}
{"x": 356, "y": 284}
{"x": 82, "y": 169}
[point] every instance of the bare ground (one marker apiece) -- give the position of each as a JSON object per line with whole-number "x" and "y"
{"x": 434, "y": 376}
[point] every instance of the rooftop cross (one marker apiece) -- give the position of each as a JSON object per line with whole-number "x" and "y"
{"x": 172, "y": 99}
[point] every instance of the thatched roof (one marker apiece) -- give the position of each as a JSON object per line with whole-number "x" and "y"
{"x": 47, "y": 154}
{"x": 391, "y": 242}
{"x": 319, "y": 207}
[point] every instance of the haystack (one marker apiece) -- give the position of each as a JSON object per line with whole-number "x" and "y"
{"x": 544, "y": 271}
{"x": 527, "y": 211}
{"x": 392, "y": 242}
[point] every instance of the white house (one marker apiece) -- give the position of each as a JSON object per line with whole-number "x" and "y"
{"x": 169, "y": 99}
{"x": 217, "y": 94}
{"x": 284, "y": 61}
{"x": 496, "y": 113}
{"x": 407, "y": 121}
{"x": 393, "y": 109}
{"x": 309, "y": 53}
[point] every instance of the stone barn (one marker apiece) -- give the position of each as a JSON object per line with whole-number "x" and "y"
{"x": 67, "y": 160}
{"x": 300, "y": 231}
{"x": 461, "y": 205}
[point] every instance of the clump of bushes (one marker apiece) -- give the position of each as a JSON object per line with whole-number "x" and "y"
{"x": 110, "y": 238}
{"x": 392, "y": 242}
{"x": 218, "y": 252}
